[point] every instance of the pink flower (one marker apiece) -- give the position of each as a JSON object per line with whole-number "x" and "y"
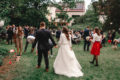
{"x": 109, "y": 41}
{"x": 12, "y": 50}
{"x": 10, "y": 62}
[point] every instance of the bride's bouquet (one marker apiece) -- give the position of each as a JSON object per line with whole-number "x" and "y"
{"x": 88, "y": 38}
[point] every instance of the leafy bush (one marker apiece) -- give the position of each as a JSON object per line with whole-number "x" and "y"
{"x": 117, "y": 35}
{"x": 3, "y": 52}
{"x": 1, "y": 62}
{"x": 1, "y": 58}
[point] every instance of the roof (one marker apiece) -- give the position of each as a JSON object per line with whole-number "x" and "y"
{"x": 80, "y": 7}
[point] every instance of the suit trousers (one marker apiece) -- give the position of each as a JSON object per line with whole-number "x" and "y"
{"x": 26, "y": 45}
{"x": 45, "y": 54}
{"x": 86, "y": 45}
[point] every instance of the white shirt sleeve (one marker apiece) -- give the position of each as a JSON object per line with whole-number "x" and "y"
{"x": 94, "y": 37}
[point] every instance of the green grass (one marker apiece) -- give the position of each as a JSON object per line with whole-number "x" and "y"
{"x": 109, "y": 68}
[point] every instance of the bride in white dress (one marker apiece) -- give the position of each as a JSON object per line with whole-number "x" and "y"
{"x": 66, "y": 63}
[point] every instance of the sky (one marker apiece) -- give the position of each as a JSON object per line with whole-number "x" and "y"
{"x": 87, "y": 2}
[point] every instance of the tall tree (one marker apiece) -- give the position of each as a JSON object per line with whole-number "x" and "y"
{"x": 29, "y": 12}
{"x": 109, "y": 8}
{"x": 113, "y": 14}
{"x": 63, "y": 6}
{"x": 5, "y": 10}
{"x": 91, "y": 18}
{"x": 24, "y": 12}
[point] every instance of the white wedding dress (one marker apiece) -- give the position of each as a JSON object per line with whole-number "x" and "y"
{"x": 66, "y": 63}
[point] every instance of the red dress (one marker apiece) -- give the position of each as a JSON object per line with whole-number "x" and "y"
{"x": 96, "y": 48}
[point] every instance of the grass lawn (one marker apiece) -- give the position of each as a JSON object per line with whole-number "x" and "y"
{"x": 109, "y": 68}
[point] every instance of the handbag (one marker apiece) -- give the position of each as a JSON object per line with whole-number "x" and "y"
{"x": 50, "y": 43}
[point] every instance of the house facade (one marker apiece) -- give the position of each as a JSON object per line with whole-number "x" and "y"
{"x": 78, "y": 10}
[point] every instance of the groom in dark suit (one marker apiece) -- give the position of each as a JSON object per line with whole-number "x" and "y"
{"x": 42, "y": 37}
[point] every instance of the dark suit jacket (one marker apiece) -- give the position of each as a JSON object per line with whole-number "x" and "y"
{"x": 42, "y": 37}
{"x": 86, "y": 33}
{"x": 10, "y": 32}
{"x": 113, "y": 35}
{"x": 58, "y": 34}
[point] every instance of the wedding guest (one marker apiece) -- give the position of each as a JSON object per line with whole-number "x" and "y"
{"x": 6, "y": 34}
{"x": 51, "y": 48}
{"x": 119, "y": 30}
{"x": 31, "y": 33}
{"x": 86, "y": 43}
{"x": 50, "y": 52}
{"x": 10, "y": 35}
{"x": 54, "y": 32}
{"x": 26, "y": 31}
{"x": 58, "y": 32}
{"x": 103, "y": 39}
{"x": 95, "y": 50}
{"x": 76, "y": 38}
{"x": 109, "y": 36}
{"x": 14, "y": 34}
{"x": 19, "y": 40}
{"x": 82, "y": 33}
{"x": 113, "y": 36}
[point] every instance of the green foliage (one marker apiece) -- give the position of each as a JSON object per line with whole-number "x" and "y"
{"x": 109, "y": 8}
{"x": 5, "y": 10}
{"x": 29, "y": 12}
{"x": 3, "y": 53}
{"x": 24, "y": 12}
{"x": 78, "y": 27}
{"x": 2, "y": 30}
{"x": 80, "y": 19}
{"x": 63, "y": 16}
{"x": 1, "y": 58}
{"x": 1, "y": 62}
{"x": 70, "y": 3}
{"x": 91, "y": 18}
{"x": 52, "y": 25}
{"x": 69, "y": 19}
{"x": 113, "y": 15}
{"x": 117, "y": 35}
